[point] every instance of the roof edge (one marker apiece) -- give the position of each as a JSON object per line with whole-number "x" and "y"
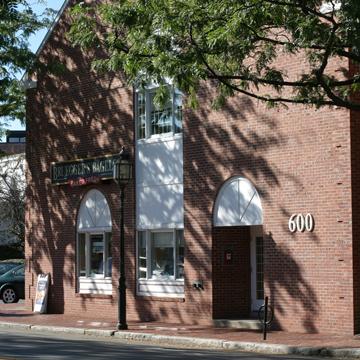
{"x": 51, "y": 28}
{"x": 25, "y": 78}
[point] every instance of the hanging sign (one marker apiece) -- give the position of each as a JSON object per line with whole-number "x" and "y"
{"x": 41, "y": 297}
{"x": 83, "y": 171}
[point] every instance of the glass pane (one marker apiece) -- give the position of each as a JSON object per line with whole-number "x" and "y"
{"x": 125, "y": 171}
{"x": 96, "y": 255}
{"x": 141, "y": 115}
{"x": 180, "y": 253}
{"x": 81, "y": 256}
{"x": 108, "y": 254}
{"x": 259, "y": 268}
{"x": 162, "y": 259}
{"x": 160, "y": 118}
{"x": 178, "y": 116}
{"x": 142, "y": 254}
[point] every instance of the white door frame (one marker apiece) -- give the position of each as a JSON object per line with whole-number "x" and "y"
{"x": 256, "y": 231}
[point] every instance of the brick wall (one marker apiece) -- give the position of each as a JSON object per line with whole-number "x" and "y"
{"x": 298, "y": 158}
{"x": 80, "y": 114}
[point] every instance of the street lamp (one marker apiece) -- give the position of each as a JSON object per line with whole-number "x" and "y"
{"x": 122, "y": 174}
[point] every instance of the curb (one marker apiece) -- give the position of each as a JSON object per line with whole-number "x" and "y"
{"x": 10, "y": 325}
{"x": 216, "y": 344}
{"x": 99, "y": 332}
{"x": 192, "y": 342}
{"x": 57, "y": 329}
{"x": 171, "y": 340}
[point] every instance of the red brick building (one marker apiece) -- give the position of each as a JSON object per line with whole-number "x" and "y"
{"x": 207, "y": 213}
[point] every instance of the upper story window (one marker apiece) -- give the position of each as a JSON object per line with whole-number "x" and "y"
{"x": 154, "y": 121}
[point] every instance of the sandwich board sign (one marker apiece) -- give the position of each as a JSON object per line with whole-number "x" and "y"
{"x": 41, "y": 297}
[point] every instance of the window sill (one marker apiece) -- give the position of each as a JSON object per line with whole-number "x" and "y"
{"x": 159, "y": 138}
{"x": 95, "y": 279}
{"x": 93, "y": 296}
{"x": 144, "y": 297}
{"x": 161, "y": 281}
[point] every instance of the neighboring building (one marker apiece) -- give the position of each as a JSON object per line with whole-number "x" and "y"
{"x": 12, "y": 189}
{"x": 16, "y": 136}
{"x": 15, "y": 142}
{"x": 12, "y": 184}
{"x": 209, "y": 212}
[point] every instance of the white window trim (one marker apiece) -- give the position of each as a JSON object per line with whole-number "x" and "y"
{"x": 160, "y": 138}
{"x": 172, "y": 282}
{"x": 155, "y": 137}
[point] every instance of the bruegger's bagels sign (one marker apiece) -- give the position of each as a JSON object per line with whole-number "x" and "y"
{"x": 83, "y": 171}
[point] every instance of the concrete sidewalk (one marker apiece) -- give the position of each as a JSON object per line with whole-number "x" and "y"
{"x": 278, "y": 342}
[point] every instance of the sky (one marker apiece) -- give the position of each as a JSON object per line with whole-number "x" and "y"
{"x": 36, "y": 40}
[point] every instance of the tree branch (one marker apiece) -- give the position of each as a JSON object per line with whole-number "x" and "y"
{"x": 352, "y": 81}
{"x": 299, "y": 5}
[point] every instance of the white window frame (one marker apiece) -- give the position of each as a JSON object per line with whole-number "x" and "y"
{"x": 173, "y": 281}
{"x": 87, "y": 233}
{"x": 148, "y": 91}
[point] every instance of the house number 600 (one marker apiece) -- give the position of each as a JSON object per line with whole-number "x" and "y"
{"x": 299, "y": 222}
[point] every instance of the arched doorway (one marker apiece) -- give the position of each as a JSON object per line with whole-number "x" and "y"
{"x": 94, "y": 245}
{"x": 237, "y": 250}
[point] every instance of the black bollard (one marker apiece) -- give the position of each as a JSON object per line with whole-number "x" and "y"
{"x": 265, "y": 317}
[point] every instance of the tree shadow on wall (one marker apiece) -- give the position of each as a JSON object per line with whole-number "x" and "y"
{"x": 75, "y": 114}
{"x": 80, "y": 114}
{"x": 289, "y": 292}
{"x": 238, "y": 140}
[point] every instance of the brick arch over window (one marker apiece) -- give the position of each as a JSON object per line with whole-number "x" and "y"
{"x": 94, "y": 213}
{"x": 237, "y": 204}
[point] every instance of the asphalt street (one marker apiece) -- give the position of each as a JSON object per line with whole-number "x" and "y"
{"x": 25, "y": 345}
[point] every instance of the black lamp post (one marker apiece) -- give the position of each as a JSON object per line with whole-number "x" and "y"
{"x": 122, "y": 175}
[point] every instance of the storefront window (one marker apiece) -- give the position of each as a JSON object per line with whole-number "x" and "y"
{"x": 94, "y": 255}
{"x": 154, "y": 121}
{"x": 94, "y": 244}
{"x": 180, "y": 254}
{"x": 142, "y": 254}
{"x": 82, "y": 257}
{"x": 108, "y": 255}
{"x": 166, "y": 249}
{"x": 162, "y": 249}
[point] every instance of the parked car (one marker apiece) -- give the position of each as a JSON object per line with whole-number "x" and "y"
{"x": 6, "y": 266}
{"x": 12, "y": 285}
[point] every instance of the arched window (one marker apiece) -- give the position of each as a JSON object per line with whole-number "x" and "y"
{"x": 94, "y": 260}
{"x": 238, "y": 204}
